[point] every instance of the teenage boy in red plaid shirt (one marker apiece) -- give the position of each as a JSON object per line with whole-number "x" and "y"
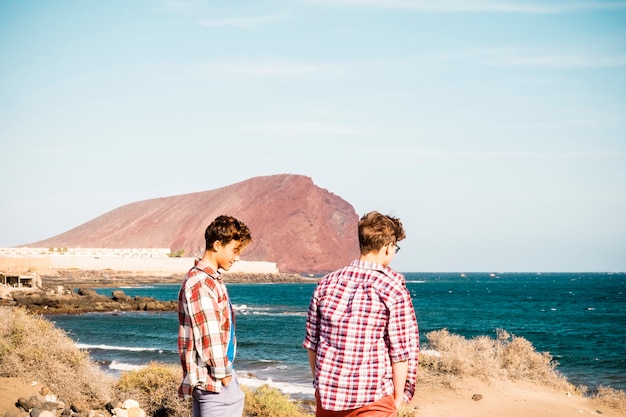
{"x": 361, "y": 330}
{"x": 206, "y": 332}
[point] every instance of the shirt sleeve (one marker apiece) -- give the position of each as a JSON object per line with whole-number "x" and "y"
{"x": 312, "y": 324}
{"x": 404, "y": 339}
{"x": 205, "y": 316}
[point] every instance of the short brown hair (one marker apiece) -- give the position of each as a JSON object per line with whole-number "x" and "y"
{"x": 225, "y": 229}
{"x": 377, "y": 230}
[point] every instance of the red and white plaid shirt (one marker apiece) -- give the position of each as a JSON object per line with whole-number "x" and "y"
{"x": 203, "y": 331}
{"x": 360, "y": 321}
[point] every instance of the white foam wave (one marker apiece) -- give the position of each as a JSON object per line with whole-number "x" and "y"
{"x": 284, "y": 387}
{"x": 136, "y": 286}
{"x": 265, "y": 311}
{"x": 121, "y": 366}
{"x": 110, "y": 347}
{"x": 282, "y": 313}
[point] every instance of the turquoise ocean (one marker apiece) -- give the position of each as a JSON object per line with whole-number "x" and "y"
{"x": 579, "y": 318}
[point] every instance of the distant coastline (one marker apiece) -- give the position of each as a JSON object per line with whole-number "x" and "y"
{"x": 120, "y": 262}
{"x": 72, "y": 292}
{"x": 114, "y": 278}
{"x": 53, "y": 281}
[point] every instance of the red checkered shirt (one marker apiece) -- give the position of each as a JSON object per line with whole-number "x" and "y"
{"x": 203, "y": 331}
{"x": 360, "y": 321}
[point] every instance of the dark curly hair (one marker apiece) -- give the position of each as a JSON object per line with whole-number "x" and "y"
{"x": 377, "y": 230}
{"x": 225, "y": 229}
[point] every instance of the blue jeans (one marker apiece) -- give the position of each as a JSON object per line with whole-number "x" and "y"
{"x": 227, "y": 403}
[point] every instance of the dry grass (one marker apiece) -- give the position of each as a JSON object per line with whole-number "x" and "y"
{"x": 269, "y": 402}
{"x": 611, "y": 398}
{"x": 155, "y": 387}
{"x": 448, "y": 359}
{"x": 32, "y": 349}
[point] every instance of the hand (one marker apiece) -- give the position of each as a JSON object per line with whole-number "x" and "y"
{"x": 226, "y": 380}
{"x": 399, "y": 402}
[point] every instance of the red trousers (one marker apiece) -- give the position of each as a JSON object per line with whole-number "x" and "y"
{"x": 385, "y": 407}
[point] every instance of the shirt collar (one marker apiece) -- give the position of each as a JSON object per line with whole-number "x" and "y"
{"x": 367, "y": 265}
{"x": 208, "y": 270}
{"x": 357, "y": 263}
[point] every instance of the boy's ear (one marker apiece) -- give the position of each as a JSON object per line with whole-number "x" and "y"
{"x": 216, "y": 245}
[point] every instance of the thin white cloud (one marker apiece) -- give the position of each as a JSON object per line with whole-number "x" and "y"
{"x": 176, "y": 6}
{"x": 416, "y": 152}
{"x": 282, "y": 68}
{"x": 279, "y": 68}
{"x": 480, "y": 6}
{"x": 544, "y": 58}
{"x": 249, "y": 22}
{"x": 303, "y": 129}
{"x": 563, "y": 61}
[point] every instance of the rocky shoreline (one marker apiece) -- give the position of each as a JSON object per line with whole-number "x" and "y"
{"x": 45, "y": 403}
{"x": 110, "y": 278}
{"x": 72, "y": 291}
{"x": 85, "y": 300}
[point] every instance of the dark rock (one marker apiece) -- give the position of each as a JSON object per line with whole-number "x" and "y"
{"x": 87, "y": 292}
{"x": 25, "y": 404}
{"x": 49, "y": 405}
{"x": 119, "y": 295}
{"x": 85, "y": 301}
{"x": 109, "y": 406}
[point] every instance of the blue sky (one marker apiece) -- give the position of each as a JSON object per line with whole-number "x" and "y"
{"x": 496, "y": 130}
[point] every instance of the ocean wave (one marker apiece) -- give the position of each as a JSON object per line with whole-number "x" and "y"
{"x": 121, "y": 366}
{"x": 280, "y": 313}
{"x": 245, "y": 309}
{"x": 292, "y": 389}
{"x": 110, "y": 347}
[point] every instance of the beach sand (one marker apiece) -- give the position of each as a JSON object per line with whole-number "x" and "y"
{"x": 10, "y": 390}
{"x": 499, "y": 399}
{"x": 505, "y": 399}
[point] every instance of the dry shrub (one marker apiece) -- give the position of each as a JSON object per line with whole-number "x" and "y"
{"x": 461, "y": 357}
{"x": 32, "y": 349}
{"x": 155, "y": 387}
{"x": 611, "y": 398}
{"x": 270, "y": 402}
{"x": 521, "y": 361}
{"x": 454, "y": 358}
{"x": 406, "y": 411}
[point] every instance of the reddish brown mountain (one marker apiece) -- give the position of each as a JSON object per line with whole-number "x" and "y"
{"x": 298, "y": 225}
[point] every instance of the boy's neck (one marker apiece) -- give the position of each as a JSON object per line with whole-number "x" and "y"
{"x": 380, "y": 257}
{"x": 209, "y": 260}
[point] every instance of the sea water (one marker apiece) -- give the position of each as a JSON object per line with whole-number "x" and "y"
{"x": 579, "y": 318}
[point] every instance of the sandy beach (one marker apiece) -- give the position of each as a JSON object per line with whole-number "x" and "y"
{"x": 505, "y": 399}
{"x": 499, "y": 399}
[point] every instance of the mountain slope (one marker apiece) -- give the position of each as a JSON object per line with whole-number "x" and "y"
{"x": 298, "y": 225}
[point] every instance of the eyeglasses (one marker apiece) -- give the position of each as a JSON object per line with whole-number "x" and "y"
{"x": 397, "y": 247}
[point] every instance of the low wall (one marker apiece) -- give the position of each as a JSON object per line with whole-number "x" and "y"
{"x": 43, "y": 264}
